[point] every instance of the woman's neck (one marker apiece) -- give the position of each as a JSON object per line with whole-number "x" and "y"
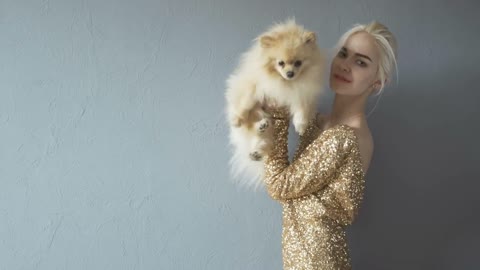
{"x": 348, "y": 110}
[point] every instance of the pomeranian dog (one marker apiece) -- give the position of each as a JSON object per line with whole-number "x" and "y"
{"x": 285, "y": 67}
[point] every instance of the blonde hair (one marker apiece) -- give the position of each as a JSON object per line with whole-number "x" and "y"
{"x": 387, "y": 44}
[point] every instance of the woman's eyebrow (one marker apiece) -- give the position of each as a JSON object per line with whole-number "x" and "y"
{"x": 364, "y": 56}
{"x": 358, "y": 54}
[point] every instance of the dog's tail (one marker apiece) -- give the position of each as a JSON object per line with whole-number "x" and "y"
{"x": 245, "y": 173}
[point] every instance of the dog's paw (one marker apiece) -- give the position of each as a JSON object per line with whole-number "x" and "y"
{"x": 255, "y": 156}
{"x": 301, "y": 128}
{"x": 263, "y": 125}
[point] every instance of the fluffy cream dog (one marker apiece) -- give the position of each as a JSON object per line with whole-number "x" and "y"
{"x": 285, "y": 67}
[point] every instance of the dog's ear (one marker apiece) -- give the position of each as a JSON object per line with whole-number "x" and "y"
{"x": 267, "y": 41}
{"x": 310, "y": 37}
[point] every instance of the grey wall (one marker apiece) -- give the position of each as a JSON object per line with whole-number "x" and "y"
{"x": 113, "y": 146}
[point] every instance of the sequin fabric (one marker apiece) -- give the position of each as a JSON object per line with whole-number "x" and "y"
{"x": 320, "y": 191}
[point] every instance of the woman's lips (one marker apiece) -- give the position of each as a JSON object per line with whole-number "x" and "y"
{"x": 341, "y": 78}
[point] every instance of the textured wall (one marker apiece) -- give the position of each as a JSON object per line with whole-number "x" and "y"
{"x": 113, "y": 143}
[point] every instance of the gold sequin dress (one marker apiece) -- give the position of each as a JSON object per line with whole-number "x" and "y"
{"x": 320, "y": 191}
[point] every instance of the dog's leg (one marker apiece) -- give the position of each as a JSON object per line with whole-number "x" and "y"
{"x": 302, "y": 116}
{"x": 255, "y": 156}
{"x": 264, "y": 122}
{"x": 262, "y": 125}
{"x": 261, "y": 145}
{"x": 241, "y": 101}
{"x": 300, "y": 121}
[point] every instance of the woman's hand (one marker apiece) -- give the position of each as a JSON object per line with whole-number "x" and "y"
{"x": 275, "y": 111}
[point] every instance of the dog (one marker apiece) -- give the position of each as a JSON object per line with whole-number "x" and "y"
{"x": 285, "y": 67}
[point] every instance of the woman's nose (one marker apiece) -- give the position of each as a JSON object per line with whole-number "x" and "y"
{"x": 344, "y": 66}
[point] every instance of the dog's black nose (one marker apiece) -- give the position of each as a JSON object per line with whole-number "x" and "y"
{"x": 290, "y": 74}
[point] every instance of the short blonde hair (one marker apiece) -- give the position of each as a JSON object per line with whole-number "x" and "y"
{"x": 385, "y": 41}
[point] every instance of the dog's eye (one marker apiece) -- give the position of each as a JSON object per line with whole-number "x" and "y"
{"x": 298, "y": 63}
{"x": 281, "y": 63}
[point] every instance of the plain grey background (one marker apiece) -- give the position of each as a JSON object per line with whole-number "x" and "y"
{"x": 113, "y": 143}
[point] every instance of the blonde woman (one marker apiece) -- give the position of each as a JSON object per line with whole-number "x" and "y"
{"x": 322, "y": 189}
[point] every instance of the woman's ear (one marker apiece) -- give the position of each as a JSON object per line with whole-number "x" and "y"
{"x": 375, "y": 87}
{"x": 378, "y": 83}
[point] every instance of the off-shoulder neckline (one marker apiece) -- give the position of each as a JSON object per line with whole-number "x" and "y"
{"x": 352, "y": 129}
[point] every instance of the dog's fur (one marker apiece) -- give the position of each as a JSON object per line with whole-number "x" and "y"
{"x": 262, "y": 77}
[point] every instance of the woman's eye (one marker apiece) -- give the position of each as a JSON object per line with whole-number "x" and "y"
{"x": 342, "y": 54}
{"x": 281, "y": 63}
{"x": 298, "y": 63}
{"x": 361, "y": 63}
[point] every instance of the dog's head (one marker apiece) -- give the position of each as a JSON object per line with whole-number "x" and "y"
{"x": 289, "y": 49}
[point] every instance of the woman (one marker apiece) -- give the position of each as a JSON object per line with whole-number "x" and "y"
{"x": 322, "y": 189}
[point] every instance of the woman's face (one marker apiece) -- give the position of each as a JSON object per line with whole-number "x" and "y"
{"x": 354, "y": 68}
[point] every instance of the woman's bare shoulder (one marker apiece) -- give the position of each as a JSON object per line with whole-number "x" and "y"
{"x": 365, "y": 145}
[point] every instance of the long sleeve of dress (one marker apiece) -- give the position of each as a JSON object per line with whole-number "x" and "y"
{"x": 312, "y": 132}
{"x": 315, "y": 166}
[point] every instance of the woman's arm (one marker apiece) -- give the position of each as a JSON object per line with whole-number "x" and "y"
{"x": 311, "y": 171}
{"x": 313, "y": 131}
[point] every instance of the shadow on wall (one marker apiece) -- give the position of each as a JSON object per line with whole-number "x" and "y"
{"x": 421, "y": 203}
